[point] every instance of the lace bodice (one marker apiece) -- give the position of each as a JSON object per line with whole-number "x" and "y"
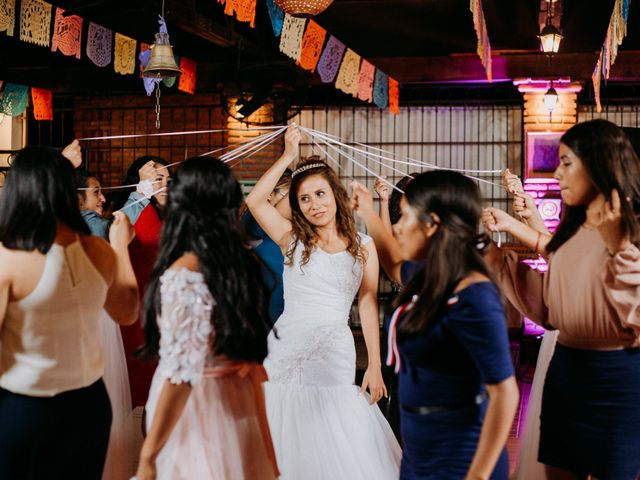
{"x": 185, "y": 325}
{"x": 325, "y": 287}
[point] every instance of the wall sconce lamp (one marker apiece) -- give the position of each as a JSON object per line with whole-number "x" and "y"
{"x": 550, "y": 99}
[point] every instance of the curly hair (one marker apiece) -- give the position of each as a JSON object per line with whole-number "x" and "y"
{"x": 305, "y": 232}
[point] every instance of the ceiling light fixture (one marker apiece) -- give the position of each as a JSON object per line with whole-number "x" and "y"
{"x": 550, "y": 36}
{"x": 245, "y": 107}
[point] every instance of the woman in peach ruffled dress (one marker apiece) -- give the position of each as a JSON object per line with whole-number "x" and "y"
{"x": 207, "y": 318}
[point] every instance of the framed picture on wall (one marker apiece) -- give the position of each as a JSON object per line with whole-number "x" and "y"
{"x": 542, "y": 153}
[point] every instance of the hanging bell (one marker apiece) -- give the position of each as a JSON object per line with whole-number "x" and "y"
{"x": 162, "y": 62}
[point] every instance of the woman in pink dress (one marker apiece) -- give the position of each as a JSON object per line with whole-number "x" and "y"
{"x": 589, "y": 419}
{"x": 207, "y": 319}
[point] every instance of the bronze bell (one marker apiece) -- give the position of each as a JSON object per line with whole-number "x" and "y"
{"x": 162, "y": 62}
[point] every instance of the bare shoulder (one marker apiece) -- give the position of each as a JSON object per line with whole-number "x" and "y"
{"x": 188, "y": 261}
{"x": 7, "y": 261}
{"x": 13, "y": 261}
{"x": 472, "y": 278}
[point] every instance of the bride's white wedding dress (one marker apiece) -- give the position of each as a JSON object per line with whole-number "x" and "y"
{"x": 322, "y": 426}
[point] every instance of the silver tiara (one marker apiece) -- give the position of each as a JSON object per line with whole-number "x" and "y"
{"x": 308, "y": 167}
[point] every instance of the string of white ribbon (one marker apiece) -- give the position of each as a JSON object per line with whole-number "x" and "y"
{"x": 253, "y": 146}
{"x": 407, "y": 160}
{"x": 171, "y": 134}
{"x": 329, "y": 141}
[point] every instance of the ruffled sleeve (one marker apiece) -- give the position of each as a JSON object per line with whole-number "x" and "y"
{"x": 522, "y": 285}
{"x": 622, "y": 285}
{"x": 185, "y": 326}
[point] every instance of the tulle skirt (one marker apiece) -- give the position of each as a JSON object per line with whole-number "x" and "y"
{"x": 322, "y": 426}
{"x": 219, "y": 434}
{"x": 330, "y": 432}
{"x": 119, "y": 463}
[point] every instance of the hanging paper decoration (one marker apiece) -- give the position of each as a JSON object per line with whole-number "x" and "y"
{"x": 349, "y": 73}
{"x": 277, "y": 17}
{"x": 245, "y": 10}
{"x": 394, "y": 96}
{"x": 7, "y": 16}
{"x": 353, "y": 74}
{"x": 188, "y": 78}
{"x": 42, "y": 103}
{"x": 144, "y": 56}
{"x": 365, "y": 81}
{"x": 291, "y": 37}
{"x": 99, "y": 45}
{"x": 484, "y": 46}
{"x": 596, "y": 78}
{"x": 381, "y": 90}
{"x": 124, "y": 61}
{"x": 330, "y": 59}
{"x": 616, "y": 32}
{"x": 67, "y": 34}
{"x": 14, "y": 99}
{"x": 312, "y": 43}
{"x": 35, "y": 22}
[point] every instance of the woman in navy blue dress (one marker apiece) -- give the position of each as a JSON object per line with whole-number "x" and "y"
{"x": 448, "y": 339}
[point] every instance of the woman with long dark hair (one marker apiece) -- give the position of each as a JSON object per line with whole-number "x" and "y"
{"x": 206, "y": 317}
{"x": 589, "y": 420}
{"x": 448, "y": 338}
{"x": 322, "y": 427}
{"x": 55, "y": 279}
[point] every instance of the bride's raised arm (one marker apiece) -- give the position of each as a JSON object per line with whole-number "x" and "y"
{"x": 274, "y": 224}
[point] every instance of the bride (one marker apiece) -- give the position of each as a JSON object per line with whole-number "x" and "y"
{"x": 322, "y": 425}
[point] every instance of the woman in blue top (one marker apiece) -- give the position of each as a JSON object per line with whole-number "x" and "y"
{"x": 448, "y": 339}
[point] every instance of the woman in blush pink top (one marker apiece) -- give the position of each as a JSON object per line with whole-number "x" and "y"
{"x": 591, "y": 295}
{"x": 55, "y": 279}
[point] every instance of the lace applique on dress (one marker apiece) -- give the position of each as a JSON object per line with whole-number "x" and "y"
{"x": 185, "y": 325}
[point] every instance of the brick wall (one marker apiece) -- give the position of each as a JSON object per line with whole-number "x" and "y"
{"x": 131, "y": 115}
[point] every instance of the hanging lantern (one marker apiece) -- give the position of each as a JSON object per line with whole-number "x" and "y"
{"x": 303, "y": 8}
{"x": 550, "y": 99}
{"x": 550, "y": 39}
{"x": 162, "y": 62}
{"x": 550, "y": 36}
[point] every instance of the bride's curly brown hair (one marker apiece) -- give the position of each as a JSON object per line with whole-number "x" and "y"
{"x": 304, "y": 231}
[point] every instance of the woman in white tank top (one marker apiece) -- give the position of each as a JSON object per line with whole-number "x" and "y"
{"x": 54, "y": 281}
